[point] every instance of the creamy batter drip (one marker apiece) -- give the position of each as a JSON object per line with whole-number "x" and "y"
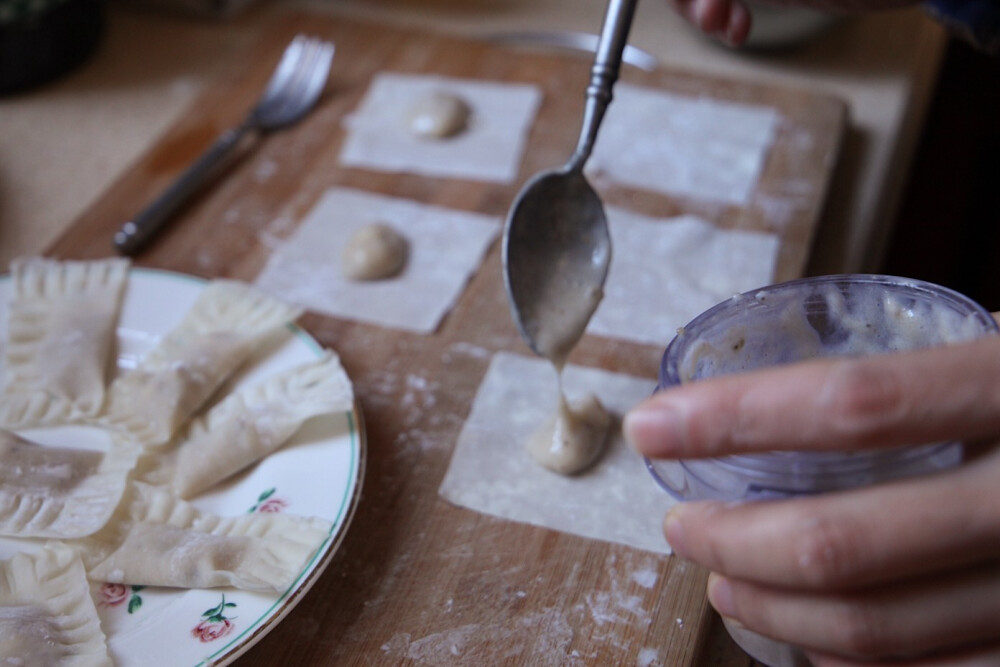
{"x": 374, "y": 252}
{"x": 574, "y": 437}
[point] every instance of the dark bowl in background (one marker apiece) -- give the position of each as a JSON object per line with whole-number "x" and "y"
{"x": 41, "y": 41}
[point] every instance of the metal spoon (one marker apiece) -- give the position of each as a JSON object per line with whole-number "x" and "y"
{"x": 556, "y": 247}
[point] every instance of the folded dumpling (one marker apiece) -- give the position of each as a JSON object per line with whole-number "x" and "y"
{"x": 60, "y": 491}
{"x": 47, "y": 616}
{"x": 60, "y": 336}
{"x": 158, "y": 539}
{"x": 228, "y": 322}
{"x": 251, "y": 423}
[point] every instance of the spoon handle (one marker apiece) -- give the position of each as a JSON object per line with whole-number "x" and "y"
{"x": 607, "y": 61}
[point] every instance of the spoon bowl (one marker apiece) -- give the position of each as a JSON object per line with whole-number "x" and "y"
{"x": 556, "y": 252}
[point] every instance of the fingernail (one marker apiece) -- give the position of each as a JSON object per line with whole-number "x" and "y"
{"x": 674, "y": 531}
{"x": 720, "y": 594}
{"x": 653, "y": 430}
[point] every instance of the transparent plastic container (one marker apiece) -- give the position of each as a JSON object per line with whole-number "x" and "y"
{"x": 829, "y": 316}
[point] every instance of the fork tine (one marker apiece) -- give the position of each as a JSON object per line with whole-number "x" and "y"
{"x": 301, "y": 87}
{"x": 314, "y": 76}
{"x": 276, "y": 94}
{"x": 290, "y": 92}
{"x": 287, "y": 66}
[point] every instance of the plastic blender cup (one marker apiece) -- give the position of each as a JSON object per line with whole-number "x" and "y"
{"x": 829, "y": 316}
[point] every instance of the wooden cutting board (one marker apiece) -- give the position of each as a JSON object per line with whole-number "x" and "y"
{"x": 417, "y": 579}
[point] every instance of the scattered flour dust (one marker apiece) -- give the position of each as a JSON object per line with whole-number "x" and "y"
{"x": 645, "y": 578}
{"x": 545, "y": 637}
{"x": 475, "y": 644}
{"x": 265, "y": 170}
{"x": 616, "y": 607}
{"x": 462, "y": 349}
{"x": 418, "y": 398}
{"x": 648, "y": 657}
{"x": 619, "y": 605}
{"x": 380, "y": 383}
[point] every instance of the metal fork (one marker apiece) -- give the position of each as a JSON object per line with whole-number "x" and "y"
{"x": 292, "y": 91}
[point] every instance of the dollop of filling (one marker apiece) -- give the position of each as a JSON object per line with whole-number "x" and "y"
{"x": 438, "y": 115}
{"x": 374, "y": 252}
{"x": 574, "y": 437}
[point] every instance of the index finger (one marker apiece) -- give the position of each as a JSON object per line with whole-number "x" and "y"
{"x": 924, "y": 396}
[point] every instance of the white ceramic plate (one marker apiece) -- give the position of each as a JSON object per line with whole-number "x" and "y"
{"x": 318, "y": 473}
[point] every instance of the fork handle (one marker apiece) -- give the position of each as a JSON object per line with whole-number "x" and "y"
{"x": 135, "y": 233}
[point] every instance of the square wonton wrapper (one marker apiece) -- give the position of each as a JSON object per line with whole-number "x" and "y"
{"x": 490, "y": 149}
{"x": 694, "y": 147}
{"x": 47, "y": 616}
{"x": 446, "y": 247}
{"x": 667, "y": 271}
{"x": 616, "y": 500}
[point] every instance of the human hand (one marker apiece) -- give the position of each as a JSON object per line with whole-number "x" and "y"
{"x": 730, "y": 20}
{"x": 904, "y": 570}
{"x": 727, "y": 20}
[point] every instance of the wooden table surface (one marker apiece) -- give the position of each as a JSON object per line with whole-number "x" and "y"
{"x": 416, "y": 579}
